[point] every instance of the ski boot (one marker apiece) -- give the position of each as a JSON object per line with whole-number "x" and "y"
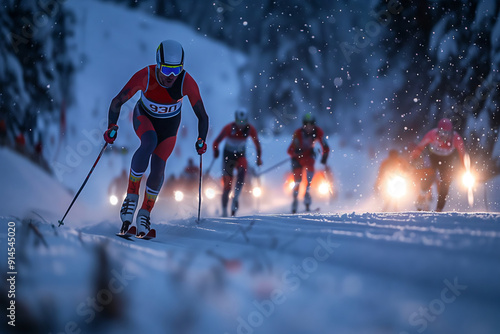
{"x": 295, "y": 204}
{"x": 127, "y": 211}
{"x": 143, "y": 222}
{"x": 307, "y": 201}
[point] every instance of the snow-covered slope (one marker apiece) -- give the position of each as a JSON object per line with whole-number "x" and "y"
{"x": 314, "y": 273}
{"x": 357, "y": 272}
{"x": 26, "y": 187}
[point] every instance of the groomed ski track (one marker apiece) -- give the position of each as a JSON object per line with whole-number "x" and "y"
{"x": 357, "y": 272}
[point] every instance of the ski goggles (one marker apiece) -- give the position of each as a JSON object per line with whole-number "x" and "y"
{"x": 170, "y": 69}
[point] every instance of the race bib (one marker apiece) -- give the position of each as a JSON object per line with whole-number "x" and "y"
{"x": 159, "y": 110}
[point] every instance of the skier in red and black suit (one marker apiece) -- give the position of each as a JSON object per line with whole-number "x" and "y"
{"x": 156, "y": 119}
{"x": 444, "y": 147}
{"x": 237, "y": 133}
{"x": 301, "y": 150}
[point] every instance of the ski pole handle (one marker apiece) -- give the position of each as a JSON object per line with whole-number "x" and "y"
{"x": 113, "y": 132}
{"x": 201, "y": 146}
{"x": 110, "y": 134}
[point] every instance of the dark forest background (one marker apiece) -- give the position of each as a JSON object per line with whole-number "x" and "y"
{"x": 402, "y": 65}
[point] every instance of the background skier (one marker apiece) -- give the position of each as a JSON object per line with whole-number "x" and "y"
{"x": 301, "y": 150}
{"x": 237, "y": 133}
{"x": 446, "y": 150}
{"x": 156, "y": 119}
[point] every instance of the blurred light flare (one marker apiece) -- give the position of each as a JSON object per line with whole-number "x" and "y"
{"x": 319, "y": 184}
{"x": 468, "y": 180}
{"x": 396, "y": 186}
{"x": 178, "y": 195}
{"x": 113, "y": 200}
{"x": 210, "y": 193}
{"x": 324, "y": 188}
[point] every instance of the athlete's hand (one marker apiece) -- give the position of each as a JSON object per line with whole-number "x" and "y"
{"x": 110, "y": 133}
{"x": 201, "y": 146}
{"x": 216, "y": 153}
{"x": 259, "y": 161}
{"x": 323, "y": 159}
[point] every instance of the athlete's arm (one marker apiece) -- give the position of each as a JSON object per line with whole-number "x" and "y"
{"x": 294, "y": 145}
{"x": 325, "y": 150}
{"x": 136, "y": 83}
{"x": 255, "y": 139}
{"x": 428, "y": 138}
{"x": 223, "y": 134}
{"x": 459, "y": 145}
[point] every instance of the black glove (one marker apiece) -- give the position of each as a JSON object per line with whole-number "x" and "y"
{"x": 323, "y": 159}
{"x": 201, "y": 146}
{"x": 216, "y": 153}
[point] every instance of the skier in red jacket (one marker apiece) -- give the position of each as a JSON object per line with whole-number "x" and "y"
{"x": 444, "y": 146}
{"x": 156, "y": 119}
{"x": 236, "y": 133}
{"x": 301, "y": 150}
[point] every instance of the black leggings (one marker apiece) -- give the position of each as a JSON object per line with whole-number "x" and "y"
{"x": 442, "y": 165}
{"x": 230, "y": 162}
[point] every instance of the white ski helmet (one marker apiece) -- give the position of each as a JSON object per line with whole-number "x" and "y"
{"x": 241, "y": 116}
{"x": 170, "y": 52}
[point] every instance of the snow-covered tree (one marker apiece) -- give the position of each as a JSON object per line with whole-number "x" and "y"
{"x": 399, "y": 65}
{"x": 35, "y": 70}
{"x": 443, "y": 60}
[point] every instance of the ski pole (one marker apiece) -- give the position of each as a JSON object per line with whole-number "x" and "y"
{"x": 210, "y": 166}
{"x": 111, "y": 135}
{"x": 273, "y": 167}
{"x": 199, "y": 189}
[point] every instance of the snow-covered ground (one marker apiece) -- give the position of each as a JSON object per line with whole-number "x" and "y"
{"x": 347, "y": 269}
{"x": 355, "y": 272}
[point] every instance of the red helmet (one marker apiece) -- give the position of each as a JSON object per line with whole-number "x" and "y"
{"x": 445, "y": 125}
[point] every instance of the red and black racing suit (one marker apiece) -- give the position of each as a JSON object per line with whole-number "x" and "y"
{"x": 156, "y": 119}
{"x": 234, "y": 156}
{"x": 443, "y": 154}
{"x": 301, "y": 150}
